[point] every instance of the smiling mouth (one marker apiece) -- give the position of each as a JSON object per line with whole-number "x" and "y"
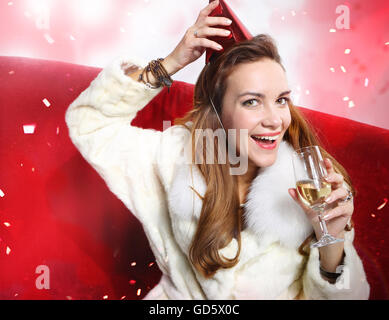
{"x": 265, "y": 143}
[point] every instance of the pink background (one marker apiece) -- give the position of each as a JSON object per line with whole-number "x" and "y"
{"x": 93, "y": 32}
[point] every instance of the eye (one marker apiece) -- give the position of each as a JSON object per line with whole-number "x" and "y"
{"x": 250, "y": 102}
{"x": 283, "y": 100}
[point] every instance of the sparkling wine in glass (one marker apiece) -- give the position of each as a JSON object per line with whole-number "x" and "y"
{"x": 310, "y": 172}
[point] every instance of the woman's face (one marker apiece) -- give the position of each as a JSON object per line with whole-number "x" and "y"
{"x": 256, "y": 99}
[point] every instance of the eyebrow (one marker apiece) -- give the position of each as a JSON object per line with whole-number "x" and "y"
{"x": 261, "y": 95}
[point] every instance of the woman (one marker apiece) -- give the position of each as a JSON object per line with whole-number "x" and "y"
{"x": 217, "y": 235}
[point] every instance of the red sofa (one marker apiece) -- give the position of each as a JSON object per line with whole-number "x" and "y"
{"x": 56, "y": 211}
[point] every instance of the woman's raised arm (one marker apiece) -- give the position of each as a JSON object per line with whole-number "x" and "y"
{"x": 128, "y": 158}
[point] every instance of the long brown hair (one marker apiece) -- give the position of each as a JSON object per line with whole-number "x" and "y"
{"x": 219, "y": 222}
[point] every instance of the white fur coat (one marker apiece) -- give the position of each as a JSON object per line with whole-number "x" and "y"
{"x": 148, "y": 171}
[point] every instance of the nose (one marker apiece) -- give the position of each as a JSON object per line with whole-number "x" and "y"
{"x": 271, "y": 119}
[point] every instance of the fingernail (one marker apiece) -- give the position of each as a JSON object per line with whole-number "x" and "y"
{"x": 219, "y": 47}
{"x": 228, "y": 21}
{"x": 227, "y": 32}
{"x": 328, "y": 199}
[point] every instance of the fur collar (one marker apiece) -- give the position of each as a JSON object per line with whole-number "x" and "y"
{"x": 270, "y": 210}
{"x": 270, "y": 213}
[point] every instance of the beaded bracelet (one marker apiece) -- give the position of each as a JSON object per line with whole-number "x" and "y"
{"x": 159, "y": 72}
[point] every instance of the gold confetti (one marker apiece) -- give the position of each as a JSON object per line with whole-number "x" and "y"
{"x": 8, "y": 250}
{"x": 7, "y": 224}
{"x": 133, "y": 264}
{"x": 138, "y": 292}
{"x": 105, "y": 297}
{"x": 122, "y": 298}
{"x": 150, "y": 264}
{"x": 343, "y": 69}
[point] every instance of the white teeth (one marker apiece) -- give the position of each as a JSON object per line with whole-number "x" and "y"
{"x": 267, "y": 138}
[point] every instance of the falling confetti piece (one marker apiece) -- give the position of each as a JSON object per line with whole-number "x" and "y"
{"x": 366, "y": 82}
{"x": 7, "y": 224}
{"x": 48, "y": 38}
{"x": 8, "y": 250}
{"x": 21, "y": 164}
{"x": 346, "y": 99}
{"x": 57, "y": 130}
{"x": 380, "y": 206}
{"x": 122, "y": 29}
{"x": 373, "y": 215}
{"x": 72, "y": 38}
{"x": 33, "y": 169}
{"x": 122, "y": 298}
{"x": 387, "y": 43}
{"x": 343, "y": 68}
{"x": 10, "y": 3}
{"x": 16, "y": 294}
{"x": 151, "y": 264}
{"x": 1, "y": 193}
{"x": 11, "y": 72}
{"x": 347, "y": 51}
{"x": 138, "y": 292}
{"x": 132, "y": 282}
{"x": 105, "y": 297}
{"x": 49, "y": 144}
{"x": 283, "y": 18}
{"x": 293, "y": 13}
{"x": 332, "y": 30}
{"x": 306, "y": 92}
{"x": 69, "y": 298}
{"x": 133, "y": 264}
{"x": 46, "y": 102}
{"x": 351, "y": 104}
{"x": 29, "y": 128}
{"x": 332, "y": 69}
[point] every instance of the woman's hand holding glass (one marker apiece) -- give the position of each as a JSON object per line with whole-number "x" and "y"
{"x": 334, "y": 213}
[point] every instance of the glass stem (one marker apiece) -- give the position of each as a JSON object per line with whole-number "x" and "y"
{"x": 323, "y": 225}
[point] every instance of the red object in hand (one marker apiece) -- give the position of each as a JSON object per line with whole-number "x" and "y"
{"x": 238, "y": 30}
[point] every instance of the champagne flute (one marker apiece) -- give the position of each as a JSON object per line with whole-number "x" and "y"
{"x": 312, "y": 188}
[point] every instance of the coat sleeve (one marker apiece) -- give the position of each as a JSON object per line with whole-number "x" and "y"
{"x": 129, "y": 159}
{"x": 350, "y": 285}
